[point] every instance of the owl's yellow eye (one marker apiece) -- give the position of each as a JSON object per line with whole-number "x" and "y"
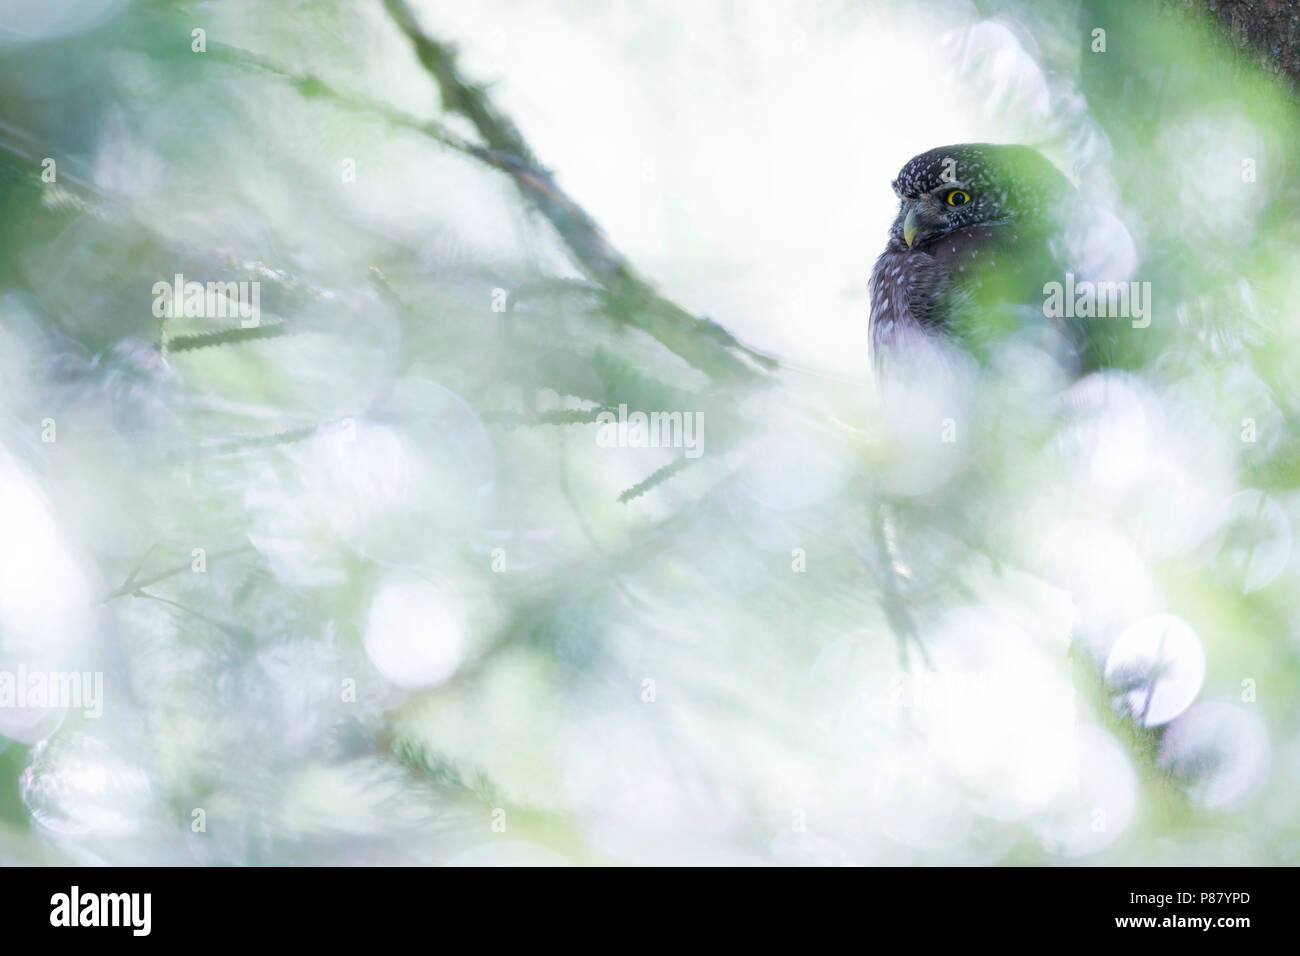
{"x": 958, "y": 198}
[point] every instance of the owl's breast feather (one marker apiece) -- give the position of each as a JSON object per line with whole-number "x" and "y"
{"x": 908, "y": 286}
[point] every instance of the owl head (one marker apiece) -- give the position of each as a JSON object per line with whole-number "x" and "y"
{"x": 951, "y": 188}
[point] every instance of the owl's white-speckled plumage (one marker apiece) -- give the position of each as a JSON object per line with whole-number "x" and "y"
{"x": 1011, "y": 193}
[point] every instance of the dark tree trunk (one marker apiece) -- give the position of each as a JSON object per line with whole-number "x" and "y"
{"x": 1266, "y": 31}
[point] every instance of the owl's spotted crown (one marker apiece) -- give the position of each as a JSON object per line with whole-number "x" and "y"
{"x": 1020, "y": 180}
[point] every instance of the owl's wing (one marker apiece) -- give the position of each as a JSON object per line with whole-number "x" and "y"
{"x": 997, "y": 275}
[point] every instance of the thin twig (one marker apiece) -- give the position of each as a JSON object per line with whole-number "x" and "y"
{"x": 313, "y": 87}
{"x": 656, "y": 478}
{"x": 230, "y": 629}
{"x": 891, "y": 598}
{"x": 133, "y": 586}
{"x": 207, "y": 340}
{"x": 506, "y": 149}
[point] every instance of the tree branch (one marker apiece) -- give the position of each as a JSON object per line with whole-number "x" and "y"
{"x": 506, "y": 149}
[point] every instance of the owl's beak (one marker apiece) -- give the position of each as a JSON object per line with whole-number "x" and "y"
{"x": 909, "y": 227}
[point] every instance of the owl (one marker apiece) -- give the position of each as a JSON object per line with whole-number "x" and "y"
{"x": 976, "y": 237}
